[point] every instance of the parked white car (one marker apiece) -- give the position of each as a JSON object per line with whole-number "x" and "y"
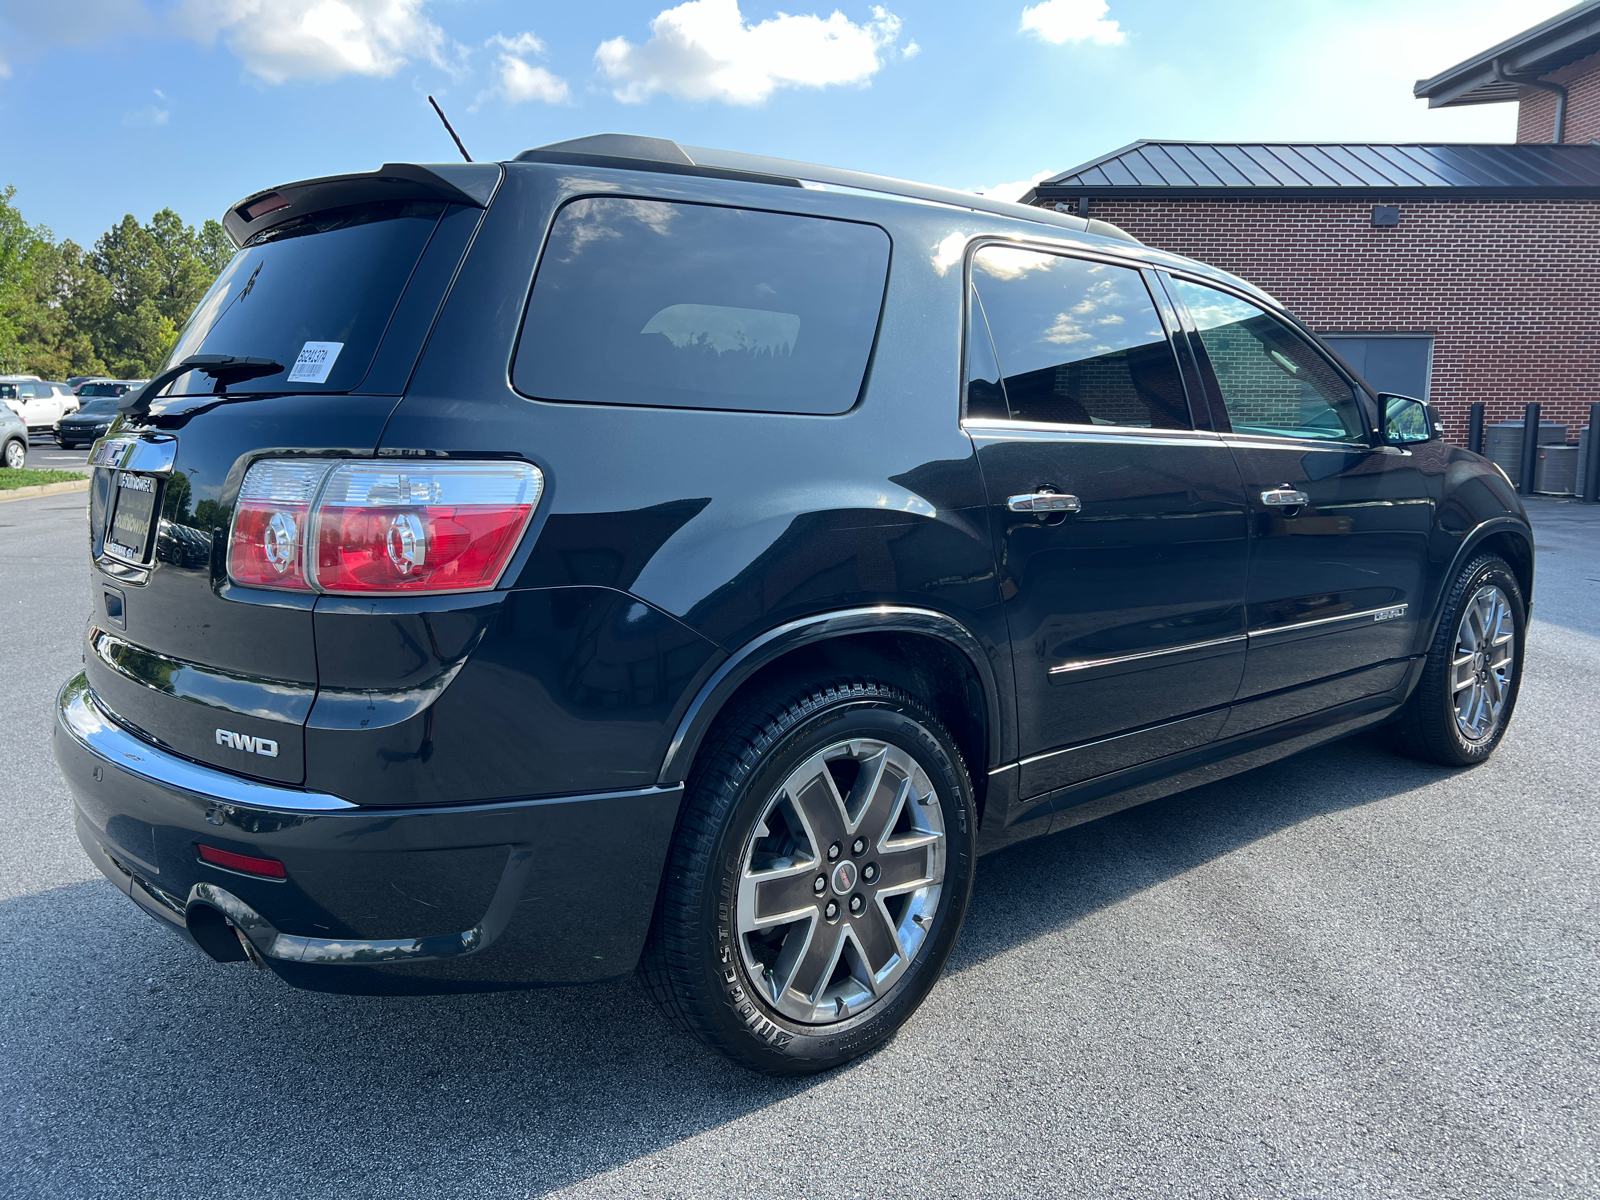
{"x": 39, "y": 402}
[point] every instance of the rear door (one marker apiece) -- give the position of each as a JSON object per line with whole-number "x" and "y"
{"x": 1339, "y": 526}
{"x": 1119, "y": 527}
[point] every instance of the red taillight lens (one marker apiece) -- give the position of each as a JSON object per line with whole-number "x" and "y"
{"x": 249, "y": 864}
{"x": 374, "y": 528}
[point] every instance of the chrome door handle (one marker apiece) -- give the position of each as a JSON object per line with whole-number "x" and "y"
{"x": 1039, "y": 502}
{"x": 1284, "y": 497}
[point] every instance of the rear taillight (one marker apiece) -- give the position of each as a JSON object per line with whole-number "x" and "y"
{"x": 376, "y": 528}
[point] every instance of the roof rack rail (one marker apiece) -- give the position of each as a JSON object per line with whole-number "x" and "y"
{"x": 660, "y": 154}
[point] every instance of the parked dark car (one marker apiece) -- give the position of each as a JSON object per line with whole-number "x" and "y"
{"x": 633, "y": 556}
{"x": 90, "y": 423}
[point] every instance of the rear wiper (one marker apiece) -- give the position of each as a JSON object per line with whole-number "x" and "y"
{"x": 224, "y": 368}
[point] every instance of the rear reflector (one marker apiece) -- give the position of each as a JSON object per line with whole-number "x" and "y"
{"x": 247, "y": 864}
{"x": 377, "y": 528}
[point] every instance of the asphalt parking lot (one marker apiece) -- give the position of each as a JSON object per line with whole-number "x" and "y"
{"x": 1345, "y": 974}
{"x": 45, "y": 455}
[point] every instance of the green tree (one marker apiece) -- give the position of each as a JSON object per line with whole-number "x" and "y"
{"x": 115, "y": 309}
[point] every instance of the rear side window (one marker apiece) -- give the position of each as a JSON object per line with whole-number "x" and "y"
{"x": 658, "y": 303}
{"x": 1066, "y": 341}
{"x": 317, "y": 292}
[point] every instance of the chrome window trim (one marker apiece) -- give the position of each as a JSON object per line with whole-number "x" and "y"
{"x": 81, "y": 715}
{"x": 1084, "y": 664}
{"x": 1107, "y": 433}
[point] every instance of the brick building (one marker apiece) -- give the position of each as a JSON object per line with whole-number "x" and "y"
{"x": 1461, "y": 273}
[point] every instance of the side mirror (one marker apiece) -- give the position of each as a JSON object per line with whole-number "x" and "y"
{"x": 1406, "y": 420}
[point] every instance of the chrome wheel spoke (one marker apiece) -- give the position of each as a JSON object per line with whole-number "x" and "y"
{"x": 904, "y": 867}
{"x": 817, "y": 801}
{"x": 800, "y": 979}
{"x": 879, "y": 944}
{"x": 784, "y": 896}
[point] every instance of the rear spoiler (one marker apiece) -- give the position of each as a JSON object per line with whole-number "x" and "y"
{"x": 453, "y": 183}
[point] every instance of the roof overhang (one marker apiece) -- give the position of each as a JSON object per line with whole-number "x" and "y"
{"x": 1547, "y": 47}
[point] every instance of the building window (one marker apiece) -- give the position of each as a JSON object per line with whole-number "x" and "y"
{"x": 1391, "y": 362}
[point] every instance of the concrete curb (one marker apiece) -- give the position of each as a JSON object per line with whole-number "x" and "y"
{"x": 44, "y": 489}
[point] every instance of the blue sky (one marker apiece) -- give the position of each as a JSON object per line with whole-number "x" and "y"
{"x": 115, "y": 106}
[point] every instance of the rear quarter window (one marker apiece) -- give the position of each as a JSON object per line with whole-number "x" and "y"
{"x": 667, "y": 304}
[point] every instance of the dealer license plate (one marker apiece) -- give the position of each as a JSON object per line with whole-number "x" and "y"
{"x": 133, "y": 517}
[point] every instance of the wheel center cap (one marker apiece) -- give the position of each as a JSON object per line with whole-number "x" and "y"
{"x": 844, "y": 877}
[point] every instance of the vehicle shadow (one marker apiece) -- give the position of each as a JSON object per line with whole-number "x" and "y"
{"x": 133, "y": 1065}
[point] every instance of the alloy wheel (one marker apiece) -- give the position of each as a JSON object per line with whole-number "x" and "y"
{"x": 1483, "y": 663}
{"x": 15, "y": 455}
{"x": 841, "y": 880}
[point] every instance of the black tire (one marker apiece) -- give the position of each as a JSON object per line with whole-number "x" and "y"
{"x": 692, "y": 964}
{"x": 15, "y": 453}
{"x": 1428, "y": 729}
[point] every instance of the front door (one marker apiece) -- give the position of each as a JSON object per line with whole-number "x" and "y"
{"x": 1119, "y": 528}
{"x": 1339, "y": 524}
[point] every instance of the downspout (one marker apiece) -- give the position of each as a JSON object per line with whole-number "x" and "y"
{"x": 1504, "y": 76}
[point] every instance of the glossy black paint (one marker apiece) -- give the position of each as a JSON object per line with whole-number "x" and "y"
{"x": 679, "y": 554}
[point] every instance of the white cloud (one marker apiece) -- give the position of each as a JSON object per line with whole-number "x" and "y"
{"x": 280, "y": 40}
{"x": 517, "y": 80}
{"x": 1062, "y": 21}
{"x": 1014, "y": 190}
{"x": 522, "y": 43}
{"x": 704, "y": 50}
{"x": 148, "y": 116}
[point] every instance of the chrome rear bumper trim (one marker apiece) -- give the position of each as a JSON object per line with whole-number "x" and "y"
{"x": 86, "y": 721}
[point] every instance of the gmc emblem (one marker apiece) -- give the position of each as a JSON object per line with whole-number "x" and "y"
{"x": 265, "y": 747}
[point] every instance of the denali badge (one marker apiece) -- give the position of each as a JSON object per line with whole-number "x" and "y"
{"x": 1389, "y": 614}
{"x": 250, "y": 745}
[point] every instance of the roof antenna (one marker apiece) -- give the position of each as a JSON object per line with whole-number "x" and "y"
{"x": 449, "y": 129}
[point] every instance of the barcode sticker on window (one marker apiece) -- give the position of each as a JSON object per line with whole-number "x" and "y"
{"x": 315, "y": 361}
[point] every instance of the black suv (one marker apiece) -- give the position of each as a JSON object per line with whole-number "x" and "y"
{"x": 633, "y": 556}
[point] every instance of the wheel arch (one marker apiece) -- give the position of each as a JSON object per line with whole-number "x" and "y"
{"x": 1506, "y": 536}
{"x": 927, "y": 652}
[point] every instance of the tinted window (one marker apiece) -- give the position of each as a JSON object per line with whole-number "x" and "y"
{"x": 1075, "y": 342}
{"x": 97, "y": 406}
{"x": 332, "y": 278}
{"x": 698, "y": 306}
{"x": 1271, "y": 379}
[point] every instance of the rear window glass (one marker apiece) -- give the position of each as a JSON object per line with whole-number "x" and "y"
{"x": 657, "y": 303}
{"x": 317, "y": 291}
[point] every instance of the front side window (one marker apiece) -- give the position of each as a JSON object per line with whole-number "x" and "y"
{"x": 1272, "y": 381}
{"x": 658, "y": 303}
{"x": 1073, "y": 342}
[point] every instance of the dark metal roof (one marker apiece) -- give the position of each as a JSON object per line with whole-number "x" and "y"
{"x": 1548, "y": 46}
{"x": 1345, "y": 171}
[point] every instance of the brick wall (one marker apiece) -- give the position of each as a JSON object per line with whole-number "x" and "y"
{"x": 1536, "y": 108}
{"x": 1510, "y": 290}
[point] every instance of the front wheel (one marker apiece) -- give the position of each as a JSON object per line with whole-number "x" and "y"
{"x": 1469, "y": 685}
{"x": 16, "y": 455}
{"x": 818, "y": 879}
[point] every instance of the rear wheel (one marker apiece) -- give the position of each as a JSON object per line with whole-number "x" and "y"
{"x": 818, "y": 878}
{"x": 16, "y": 454}
{"x": 1468, "y": 690}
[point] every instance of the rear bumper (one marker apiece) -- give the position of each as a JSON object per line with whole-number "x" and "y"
{"x": 447, "y": 898}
